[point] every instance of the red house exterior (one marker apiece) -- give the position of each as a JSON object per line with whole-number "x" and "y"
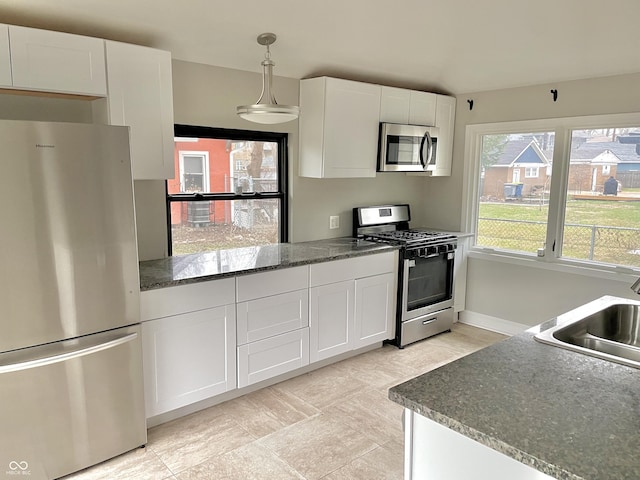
{"x": 201, "y": 165}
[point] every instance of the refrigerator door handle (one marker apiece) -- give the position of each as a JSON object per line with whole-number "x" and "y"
{"x": 80, "y": 352}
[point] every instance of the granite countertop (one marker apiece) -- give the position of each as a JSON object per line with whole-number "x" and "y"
{"x": 197, "y": 267}
{"x": 568, "y": 415}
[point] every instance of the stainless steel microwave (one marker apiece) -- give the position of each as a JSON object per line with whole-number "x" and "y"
{"x": 407, "y": 148}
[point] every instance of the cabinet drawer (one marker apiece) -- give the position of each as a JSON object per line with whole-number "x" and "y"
{"x": 273, "y": 356}
{"x": 269, "y": 316}
{"x": 164, "y": 302}
{"x": 273, "y": 282}
{"x": 350, "y": 268}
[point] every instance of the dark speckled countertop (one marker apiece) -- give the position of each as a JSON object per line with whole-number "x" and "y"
{"x": 568, "y": 415}
{"x": 198, "y": 267}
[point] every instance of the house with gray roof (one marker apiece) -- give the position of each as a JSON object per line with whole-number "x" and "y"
{"x": 521, "y": 165}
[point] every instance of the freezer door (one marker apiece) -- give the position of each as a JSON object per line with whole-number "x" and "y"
{"x": 71, "y": 404}
{"x": 68, "y": 245}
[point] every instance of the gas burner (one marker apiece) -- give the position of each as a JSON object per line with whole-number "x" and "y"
{"x": 412, "y": 237}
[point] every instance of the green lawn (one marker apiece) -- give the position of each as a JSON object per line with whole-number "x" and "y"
{"x": 588, "y": 233}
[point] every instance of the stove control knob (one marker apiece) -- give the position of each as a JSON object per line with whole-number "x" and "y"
{"x": 432, "y": 250}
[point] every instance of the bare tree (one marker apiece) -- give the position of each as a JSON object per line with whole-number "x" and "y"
{"x": 255, "y": 165}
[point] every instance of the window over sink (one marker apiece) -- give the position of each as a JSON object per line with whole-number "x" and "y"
{"x": 229, "y": 189}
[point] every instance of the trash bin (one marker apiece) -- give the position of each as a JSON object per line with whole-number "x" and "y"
{"x": 611, "y": 186}
{"x": 513, "y": 190}
{"x": 519, "y": 189}
{"x": 509, "y": 190}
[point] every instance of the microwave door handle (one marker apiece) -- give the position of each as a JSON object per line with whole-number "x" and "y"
{"x": 426, "y": 138}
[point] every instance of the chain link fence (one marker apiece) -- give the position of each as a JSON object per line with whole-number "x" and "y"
{"x": 615, "y": 245}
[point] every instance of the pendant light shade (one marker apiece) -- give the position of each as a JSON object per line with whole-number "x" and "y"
{"x": 266, "y": 109}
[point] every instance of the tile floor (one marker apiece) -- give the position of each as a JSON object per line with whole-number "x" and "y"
{"x": 334, "y": 423}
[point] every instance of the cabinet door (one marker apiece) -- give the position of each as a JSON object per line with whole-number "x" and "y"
{"x": 331, "y": 319}
{"x": 445, "y": 120}
{"x": 272, "y": 356}
{"x": 5, "y": 57}
{"x": 57, "y": 62}
{"x": 188, "y": 358}
{"x": 422, "y": 108}
{"x": 375, "y": 309}
{"x": 141, "y": 97}
{"x": 351, "y": 129}
{"x": 394, "y": 105}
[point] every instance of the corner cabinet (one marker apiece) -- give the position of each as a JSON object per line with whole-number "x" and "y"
{"x": 56, "y": 62}
{"x": 338, "y": 128}
{"x": 141, "y": 97}
{"x": 188, "y": 344}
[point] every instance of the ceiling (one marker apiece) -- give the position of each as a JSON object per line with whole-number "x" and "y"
{"x": 446, "y": 46}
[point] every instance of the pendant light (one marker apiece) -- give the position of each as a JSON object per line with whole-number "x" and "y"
{"x": 266, "y": 109}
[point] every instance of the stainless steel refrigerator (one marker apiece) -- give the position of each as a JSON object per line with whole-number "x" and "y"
{"x": 71, "y": 388}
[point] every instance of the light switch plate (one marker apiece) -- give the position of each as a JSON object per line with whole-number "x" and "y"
{"x": 334, "y": 222}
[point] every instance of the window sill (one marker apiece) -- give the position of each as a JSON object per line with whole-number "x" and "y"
{"x": 619, "y": 274}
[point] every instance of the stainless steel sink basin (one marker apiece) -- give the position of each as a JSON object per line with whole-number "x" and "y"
{"x": 608, "y": 328}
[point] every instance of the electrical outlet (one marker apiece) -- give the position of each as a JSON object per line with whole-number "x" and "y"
{"x": 334, "y": 222}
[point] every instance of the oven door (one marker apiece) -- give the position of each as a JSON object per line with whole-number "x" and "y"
{"x": 407, "y": 148}
{"x": 427, "y": 282}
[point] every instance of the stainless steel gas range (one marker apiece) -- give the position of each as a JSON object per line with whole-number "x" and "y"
{"x": 425, "y": 282}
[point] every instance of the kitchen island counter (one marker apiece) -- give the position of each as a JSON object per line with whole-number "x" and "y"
{"x": 184, "y": 269}
{"x": 567, "y": 415}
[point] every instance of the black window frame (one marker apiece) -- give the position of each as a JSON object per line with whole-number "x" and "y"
{"x": 280, "y": 138}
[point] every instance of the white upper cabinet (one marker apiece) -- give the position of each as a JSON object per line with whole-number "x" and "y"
{"x": 399, "y": 105}
{"x": 445, "y": 120}
{"x": 422, "y": 109}
{"x": 338, "y": 128}
{"x": 394, "y": 105}
{"x": 5, "y": 57}
{"x": 141, "y": 96}
{"x": 57, "y": 62}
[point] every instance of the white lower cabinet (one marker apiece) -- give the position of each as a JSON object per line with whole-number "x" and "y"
{"x": 331, "y": 319}
{"x": 207, "y": 338}
{"x": 272, "y": 323}
{"x": 272, "y": 356}
{"x": 188, "y": 357}
{"x": 434, "y": 451}
{"x": 269, "y": 316}
{"x": 351, "y": 303}
{"x": 375, "y": 309}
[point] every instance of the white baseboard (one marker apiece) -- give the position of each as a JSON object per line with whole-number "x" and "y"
{"x": 494, "y": 324}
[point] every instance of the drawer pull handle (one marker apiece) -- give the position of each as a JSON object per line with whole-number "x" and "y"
{"x": 426, "y": 322}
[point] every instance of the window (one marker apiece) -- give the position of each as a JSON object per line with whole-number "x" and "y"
{"x": 229, "y": 190}
{"x": 579, "y": 201}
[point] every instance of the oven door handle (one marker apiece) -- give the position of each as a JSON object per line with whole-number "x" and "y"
{"x": 425, "y": 160}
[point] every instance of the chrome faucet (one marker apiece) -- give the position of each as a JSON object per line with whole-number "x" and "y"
{"x": 636, "y": 286}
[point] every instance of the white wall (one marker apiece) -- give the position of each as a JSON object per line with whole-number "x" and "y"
{"x": 208, "y": 96}
{"x": 528, "y": 294}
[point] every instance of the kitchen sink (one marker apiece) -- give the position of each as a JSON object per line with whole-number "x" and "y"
{"x": 607, "y": 328}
